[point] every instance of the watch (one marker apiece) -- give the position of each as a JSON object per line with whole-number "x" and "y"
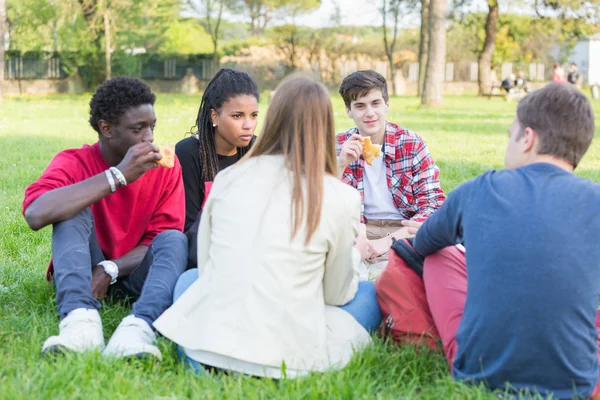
{"x": 392, "y": 237}
{"x": 111, "y": 269}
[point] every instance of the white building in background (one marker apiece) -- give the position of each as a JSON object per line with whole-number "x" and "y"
{"x": 586, "y": 54}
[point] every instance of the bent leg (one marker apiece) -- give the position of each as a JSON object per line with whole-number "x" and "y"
{"x": 401, "y": 294}
{"x": 75, "y": 251}
{"x": 153, "y": 281}
{"x": 445, "y": 277}
{"x": 364, "y": 307}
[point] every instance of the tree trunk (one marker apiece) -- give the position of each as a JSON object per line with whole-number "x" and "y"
{"x": 2, "y": 33}
{"x": 436, "y": 55}
{"x": 423, "y": 45}
{"x": 389, "y": 47}
{"x": 485, "y": 57}
{"x": 107, "y": 40}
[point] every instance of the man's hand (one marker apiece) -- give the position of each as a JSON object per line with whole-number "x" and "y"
{"x": 100, "y": 282}
{"x": 412, "y": 227}
{"x": 351, "y": 151}
{"x": 383, "y": 245}
{"x": 139, "y": 159}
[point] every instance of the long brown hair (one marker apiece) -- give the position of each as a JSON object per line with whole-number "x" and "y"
{"x": 299, "y": 125}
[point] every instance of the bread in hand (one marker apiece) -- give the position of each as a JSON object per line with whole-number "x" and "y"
{"x": 370, "y": 150}
{"x": 168, "y": 156}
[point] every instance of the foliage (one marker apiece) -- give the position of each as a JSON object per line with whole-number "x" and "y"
{"x": 77, "y": 27}
{"x": 259, "y": 13}
{"x": 185, "y": 37}
{"x": 520, "y": 38}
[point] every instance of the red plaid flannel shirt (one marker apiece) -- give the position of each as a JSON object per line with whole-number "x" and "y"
{"x": 412, "y": 176}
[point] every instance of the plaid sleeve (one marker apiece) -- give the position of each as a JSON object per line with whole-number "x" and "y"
{"x": 428, "y": 193}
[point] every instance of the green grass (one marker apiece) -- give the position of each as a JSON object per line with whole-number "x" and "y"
{"x": 466, "y": 138}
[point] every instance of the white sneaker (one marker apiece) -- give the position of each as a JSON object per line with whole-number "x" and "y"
{"x": 133, "y": 337}
{"x": 79, "y": 331}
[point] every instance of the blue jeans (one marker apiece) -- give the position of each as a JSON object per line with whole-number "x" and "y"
{"x": 364, "y": 308}
{"x": 75, "y": 252}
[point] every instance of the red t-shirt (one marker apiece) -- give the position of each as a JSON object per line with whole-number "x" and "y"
{"x": 131, "y": 216}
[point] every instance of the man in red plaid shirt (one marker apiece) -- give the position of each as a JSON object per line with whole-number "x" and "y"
{"x": 403, "y": 183}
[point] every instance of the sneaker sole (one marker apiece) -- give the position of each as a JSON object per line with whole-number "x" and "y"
{"x": 57, "y": 350}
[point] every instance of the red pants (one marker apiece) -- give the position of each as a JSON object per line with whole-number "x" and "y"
{"x": 445, "y": 287}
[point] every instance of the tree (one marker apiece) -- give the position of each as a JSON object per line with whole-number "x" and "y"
{"x": 489, "y": 45}
{"x": 423, "y": 45}
{"x": 260, "y": 12}
{"x": 2, "y": 34}
{"x": 394, "y": 9}
{"x": 286, "y": 38}
{"x": 436, "y": 55}
{"x": 212, "y": 12}
{"x": 390, "y": 7}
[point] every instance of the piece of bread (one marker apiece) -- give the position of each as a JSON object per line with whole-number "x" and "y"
{"x": 168, "y": 156}
{"x": 370, "y": 150}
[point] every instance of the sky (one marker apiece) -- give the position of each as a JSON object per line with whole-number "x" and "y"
{"x": 354, "y": 12}
{"x": 360, "y": 12}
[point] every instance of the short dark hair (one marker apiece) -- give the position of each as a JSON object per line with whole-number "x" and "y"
{"x": 563, "y": 118}
{"x": 360, "y": 83}
{"x": 115, "y": 96}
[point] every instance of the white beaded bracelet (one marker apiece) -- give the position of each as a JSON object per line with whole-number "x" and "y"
{"x": 119, "y": 175}
{"x": 111, "y": 181}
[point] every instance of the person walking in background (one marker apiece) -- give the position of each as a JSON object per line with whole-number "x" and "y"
{"x": 574, "y": 77}
{"x": 558, "y": 74}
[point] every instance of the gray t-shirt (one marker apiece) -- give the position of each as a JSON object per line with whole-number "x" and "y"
{"x": 533, "y": 266}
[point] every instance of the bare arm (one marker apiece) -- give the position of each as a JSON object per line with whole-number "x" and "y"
{"x": 130, "y": 261}
{"x": 65, "y": 202}
{"x": 126, "y": 263}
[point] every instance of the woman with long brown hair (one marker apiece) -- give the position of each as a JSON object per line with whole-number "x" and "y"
{"x": 279, "y": 246}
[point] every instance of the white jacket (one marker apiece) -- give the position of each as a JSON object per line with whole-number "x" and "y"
{"x": 262, "y": 298}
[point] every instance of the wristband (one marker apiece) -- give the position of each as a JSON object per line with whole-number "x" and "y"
{"x": 119, "y": 175}
{"x": 111, "y": 181}
{"x": 111, "y": 269}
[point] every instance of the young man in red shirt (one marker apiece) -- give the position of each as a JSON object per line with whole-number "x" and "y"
{"x": 403, "y": 183}
{"x": 117, "y": 221}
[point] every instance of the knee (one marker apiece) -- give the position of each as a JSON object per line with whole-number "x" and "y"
{"x": 173, "y": 237}
{"x": 447, "y": 259}
{"x": 367, "y": 287}
{"x": 447, "y": 255}
{"x": 367, "y": 293}
{"x": 83, "y": 218}
{"x": 80, "y": 225}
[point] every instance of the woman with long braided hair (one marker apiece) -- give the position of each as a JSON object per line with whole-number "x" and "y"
{"x": 223, "y": 133}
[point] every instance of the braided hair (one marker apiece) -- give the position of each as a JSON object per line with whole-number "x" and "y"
{"x": 227, "y": 83}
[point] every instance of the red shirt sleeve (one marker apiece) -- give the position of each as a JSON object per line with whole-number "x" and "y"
{"x": 62, "y": 171}
{"x": 170, "y": 210}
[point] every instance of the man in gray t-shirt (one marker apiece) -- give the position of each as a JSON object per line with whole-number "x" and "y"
{"x": 518, "y": 310}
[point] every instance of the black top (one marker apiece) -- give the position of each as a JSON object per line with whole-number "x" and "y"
{"x": 188, "y": 153}
{"x": 573, "y": 77}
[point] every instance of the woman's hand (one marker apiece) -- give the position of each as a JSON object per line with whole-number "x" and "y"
{"x": 363, "y": 245}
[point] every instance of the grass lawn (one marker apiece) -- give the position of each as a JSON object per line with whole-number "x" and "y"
{"x": 466, "y": 138}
